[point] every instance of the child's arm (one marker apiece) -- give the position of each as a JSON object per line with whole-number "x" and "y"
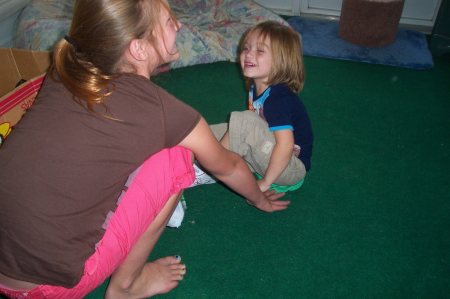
{"x": 281, "y": 155}
{"x": 230, "y": 168}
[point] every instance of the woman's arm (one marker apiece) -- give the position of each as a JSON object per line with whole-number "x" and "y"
{"x": 229, "y": 168}
{"x": 279, "y": 159}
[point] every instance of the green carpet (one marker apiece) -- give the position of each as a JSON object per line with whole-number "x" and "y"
{"x": 373, "y": 217}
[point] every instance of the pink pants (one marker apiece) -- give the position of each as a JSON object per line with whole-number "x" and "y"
{"x": 162, "y": 175}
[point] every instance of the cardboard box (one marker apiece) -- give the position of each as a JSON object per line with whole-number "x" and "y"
{"x": 21, "y": 75}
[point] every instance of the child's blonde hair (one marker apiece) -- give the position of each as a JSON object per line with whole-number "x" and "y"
{"x": 92, "y": 54}
{"x": 287, "y": 54}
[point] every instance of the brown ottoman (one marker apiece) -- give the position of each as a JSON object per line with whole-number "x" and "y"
{"x": 370, "y": 23}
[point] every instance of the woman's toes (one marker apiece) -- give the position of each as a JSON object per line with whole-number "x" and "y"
{"x": 169, "y": 260}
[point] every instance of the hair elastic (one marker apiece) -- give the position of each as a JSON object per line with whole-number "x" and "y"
{"x": 72, "y": 42}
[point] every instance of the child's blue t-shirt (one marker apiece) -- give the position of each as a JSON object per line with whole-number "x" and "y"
{"x": 283, "y": 110}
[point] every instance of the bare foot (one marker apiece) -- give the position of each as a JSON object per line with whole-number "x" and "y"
{"x": 163, "y": 275}
{"x": 157, "y": 277}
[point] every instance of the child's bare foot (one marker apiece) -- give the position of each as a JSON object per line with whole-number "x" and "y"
{"x": 157, "y": 277}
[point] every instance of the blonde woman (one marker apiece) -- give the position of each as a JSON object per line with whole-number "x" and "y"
{"x": 66, "y": 223}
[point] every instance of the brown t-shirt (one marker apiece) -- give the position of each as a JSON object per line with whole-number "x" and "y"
{"x": 63, "y": 168}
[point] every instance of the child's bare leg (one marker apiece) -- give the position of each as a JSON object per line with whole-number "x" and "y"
{"x": 136, "y": 278}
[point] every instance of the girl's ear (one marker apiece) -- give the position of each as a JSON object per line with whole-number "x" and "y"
{"x": 138, "y": 49}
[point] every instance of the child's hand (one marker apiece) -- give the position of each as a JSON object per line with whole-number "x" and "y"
{"x": 263, "y": 186}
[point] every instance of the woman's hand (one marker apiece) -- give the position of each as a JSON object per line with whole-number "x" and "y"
{"x": 271, "y": 202}
{"x": 230, "y": 168}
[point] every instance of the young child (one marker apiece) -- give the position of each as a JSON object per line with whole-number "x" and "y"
{"x": 274, "y": 136}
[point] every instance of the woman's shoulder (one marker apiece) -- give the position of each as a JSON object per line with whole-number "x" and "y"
{"x": 141, "y": 91}
{"x": 130, "y": 81}
{"x": 138, "y": 88}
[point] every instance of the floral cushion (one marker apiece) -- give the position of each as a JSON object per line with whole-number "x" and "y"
{"x": 211, "y": 28}
{"x": 42, "y": 23}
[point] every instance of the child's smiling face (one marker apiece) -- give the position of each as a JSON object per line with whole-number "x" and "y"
{"x": 256, "y": 58}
